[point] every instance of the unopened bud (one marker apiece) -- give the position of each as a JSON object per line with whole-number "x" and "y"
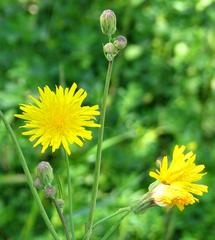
{"x": 50, "y": 192}
{"x": 108, "y": 22}
{"x": 45, "y": 173}
{"x": 60, "y": 203}
{"x": 110, "y": 51}
{"x": 109, "y": 48}
{"x": 120, "y": 42}
{"x": 37, "y": 183}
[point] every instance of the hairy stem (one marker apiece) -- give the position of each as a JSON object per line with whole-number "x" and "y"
{"x": 29, "y": 178}
{"x": 99, "y": 153}
{"x": 60, "y": 213}
{"x": 70, "y": 198}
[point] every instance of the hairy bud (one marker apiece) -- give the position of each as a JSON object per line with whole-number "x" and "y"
{"x": 108, "y": 22}
{"x": 120, "y": 42}
{"x": 109, "y": 48}
{"x": 37, "y": 183}
{"x": 60, "y": 203}
{"x": 50, "y": 192}
{"x": 110, "y": 51}
{"x": 45, "y": 173}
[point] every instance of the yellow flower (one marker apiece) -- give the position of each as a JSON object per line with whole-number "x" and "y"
{"x": 57, "y": 118}
{"x": 176, "y": 181}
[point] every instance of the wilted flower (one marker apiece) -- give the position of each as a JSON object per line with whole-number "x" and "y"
{"x": 176, "y": 181}
{"x": 57, "y": 118}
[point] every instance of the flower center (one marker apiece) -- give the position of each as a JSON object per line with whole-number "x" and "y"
{"x": 58, "y": 122}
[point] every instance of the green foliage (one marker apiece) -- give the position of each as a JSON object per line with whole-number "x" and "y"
{"x": 162, "y": 94}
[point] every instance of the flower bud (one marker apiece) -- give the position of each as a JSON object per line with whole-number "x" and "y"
{"x": 109, "y": 48}
{"x": 108, "y": 22}
{"x": 45, "y": 173}
{"x": 60, "y": 203}
{"x": 110, "y": 51}
{"x": 37, "y": 183}
{"x": 120, "y": 42}
{"x": 50, "y": 192}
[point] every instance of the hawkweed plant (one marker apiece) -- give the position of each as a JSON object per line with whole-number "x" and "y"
{"x": 58, "y": 119}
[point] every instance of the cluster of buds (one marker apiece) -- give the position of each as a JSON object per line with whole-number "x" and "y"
{"x": 108, "y": 27}
{"x": 44, "y": 181}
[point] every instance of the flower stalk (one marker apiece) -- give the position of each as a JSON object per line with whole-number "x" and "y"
{"x": 118, "y": 212}
{"x": 60, "y": 213}
{"x": 99, "y": 152}
{"x": 114, "y": 227}
{"x": 70, "y": 197}
{"x": 29, "y": 178}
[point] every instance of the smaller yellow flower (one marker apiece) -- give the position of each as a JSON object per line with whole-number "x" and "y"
{"x": 58, "y": 118}
{"x": 176, "y": 185}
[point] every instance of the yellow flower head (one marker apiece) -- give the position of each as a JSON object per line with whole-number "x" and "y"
{"x": 57, "y": 118}
{"x": 176, "y": 185}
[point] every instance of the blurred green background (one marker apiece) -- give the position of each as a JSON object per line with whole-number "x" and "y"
{"x": 162, "y": 94}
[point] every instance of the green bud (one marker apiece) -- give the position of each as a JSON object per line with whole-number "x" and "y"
{"x": 60, "y": 203}
{"x": 37, "y": 183}
{"x": 120, "y": 42}
{"x": 108, "y": 22}
{"x": 45, "y": 173}
{"x": 109, "y": 51}
{"x": 50, "y": 192}
{"x": 109, "y": 48}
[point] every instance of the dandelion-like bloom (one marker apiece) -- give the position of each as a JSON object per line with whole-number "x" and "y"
{"x": 57, "y": 118}
{"x": 176, "y": 181}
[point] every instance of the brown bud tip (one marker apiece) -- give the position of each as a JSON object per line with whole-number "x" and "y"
{"x": 50, "y": 192}
{"x": 120, "y": 42}
{"x": 108, "y": 22}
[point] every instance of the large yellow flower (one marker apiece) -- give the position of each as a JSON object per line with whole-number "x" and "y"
{"x": 176, "y": 181}
{"x": 57, "y": 118}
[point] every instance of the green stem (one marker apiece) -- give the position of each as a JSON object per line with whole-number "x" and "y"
{"x": 70, "y": 198}
{"x": 29, "y": 178}
{"x": 168, "y": 224}
{"x": 114, "y": 227}
{"x": 119, "y": 211}
{"x": 99, "y": 153}
{"x": 143, "y": 206}
{"x": 60, "y": 213}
